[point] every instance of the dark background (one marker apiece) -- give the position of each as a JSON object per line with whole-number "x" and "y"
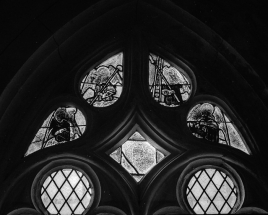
{"x": 26, "y": 25}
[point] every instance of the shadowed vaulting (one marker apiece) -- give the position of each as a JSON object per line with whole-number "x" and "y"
{"x": 133, "y": 107}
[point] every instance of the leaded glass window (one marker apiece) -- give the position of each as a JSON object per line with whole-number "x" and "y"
{"x": 137, "y": 156}
{"x": 62, "y": 125}
{"x": 67, "y": 191}
{"x": 211, "y": 191}
{"x": 168, "y": 85}
{"x": 102, "y": 85}
{"x": 207, "y": 121}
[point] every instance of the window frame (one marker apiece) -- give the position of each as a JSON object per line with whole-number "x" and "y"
{"x": 24, "y": 211}
{"x": 88, "y": 66}
{"x": 174, "y": 61}
{"x": 240, "y": 127}
{"x": 60, "y": 164}
{"x": 204, "y": 163}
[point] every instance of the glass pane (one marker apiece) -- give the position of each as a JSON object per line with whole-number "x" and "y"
{"x": 159, "y": 156}
{"x": 136, "y": 136}
{"x": 102, "y": 85}
{"x": 116, "y": 155}
{"x": 137, "y": 156}
{"x": 168, "y": 85}
{"x": 210, "y": 193}
{"x": 66, "y": 193}
{"x": 207, "y": 121}
{"x": 62, "y": 125}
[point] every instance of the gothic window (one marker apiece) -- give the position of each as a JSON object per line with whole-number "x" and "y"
{"x": 69, "y": 187}
{"x": 103, "y": 84}
{"x": 136, "y": 69}
{"x": 64, "y": 124}
{"x": 207, "y": 121}
{"x": 132, "y": 144}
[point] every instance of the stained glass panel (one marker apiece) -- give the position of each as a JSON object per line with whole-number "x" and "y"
{"x": 66, "y": 192}
{"x": 102, "y": 85}
{"x": 211, "y": 191}
{"x": 168, "y": 85}
{"x": 207, "y": 121}
{"x": 62, "y": 125}
{"x": 137, "y": 156}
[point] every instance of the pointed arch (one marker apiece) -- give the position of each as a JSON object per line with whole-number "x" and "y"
{"x": 51, "y": 72}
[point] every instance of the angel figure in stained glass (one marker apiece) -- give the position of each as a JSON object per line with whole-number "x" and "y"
{"x": 206, "y": 127}
{"x": 62, "y": 128}
{"x": 207, "y": 121}
{"x": 62, "y": 125}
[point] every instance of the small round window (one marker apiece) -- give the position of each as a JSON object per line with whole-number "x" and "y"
{"x": 210, "y": 188}
{"x": 66, "y": 187}
{"x": 211, "y": 191}
{"x": 67, "y": 191}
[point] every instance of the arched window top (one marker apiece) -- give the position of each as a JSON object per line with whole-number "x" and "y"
{"x": 102, "y": 86}
{"x": 168, "y": 85}
{"x": 208, "y": 121}
{"x": 64, "y": 124}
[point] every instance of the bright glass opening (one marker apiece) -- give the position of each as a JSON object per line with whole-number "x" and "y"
{"x": 168, "y": 84}
{"x": 137, "y": 156}
{"x": 211, "y": 191}
{"x": 63, "y": 125}
{"x": 67, "y": 192}
{"x": 207, "y": 121}
{"x": 103, "y": 85}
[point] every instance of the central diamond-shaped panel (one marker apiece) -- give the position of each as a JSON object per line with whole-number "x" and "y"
{"x": 137, "y": 156}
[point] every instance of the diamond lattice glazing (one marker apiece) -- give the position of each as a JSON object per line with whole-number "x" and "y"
{"x": 66, "y": 192}
{"x": 211, "y": 191}
{"x": 137, "y": 156}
